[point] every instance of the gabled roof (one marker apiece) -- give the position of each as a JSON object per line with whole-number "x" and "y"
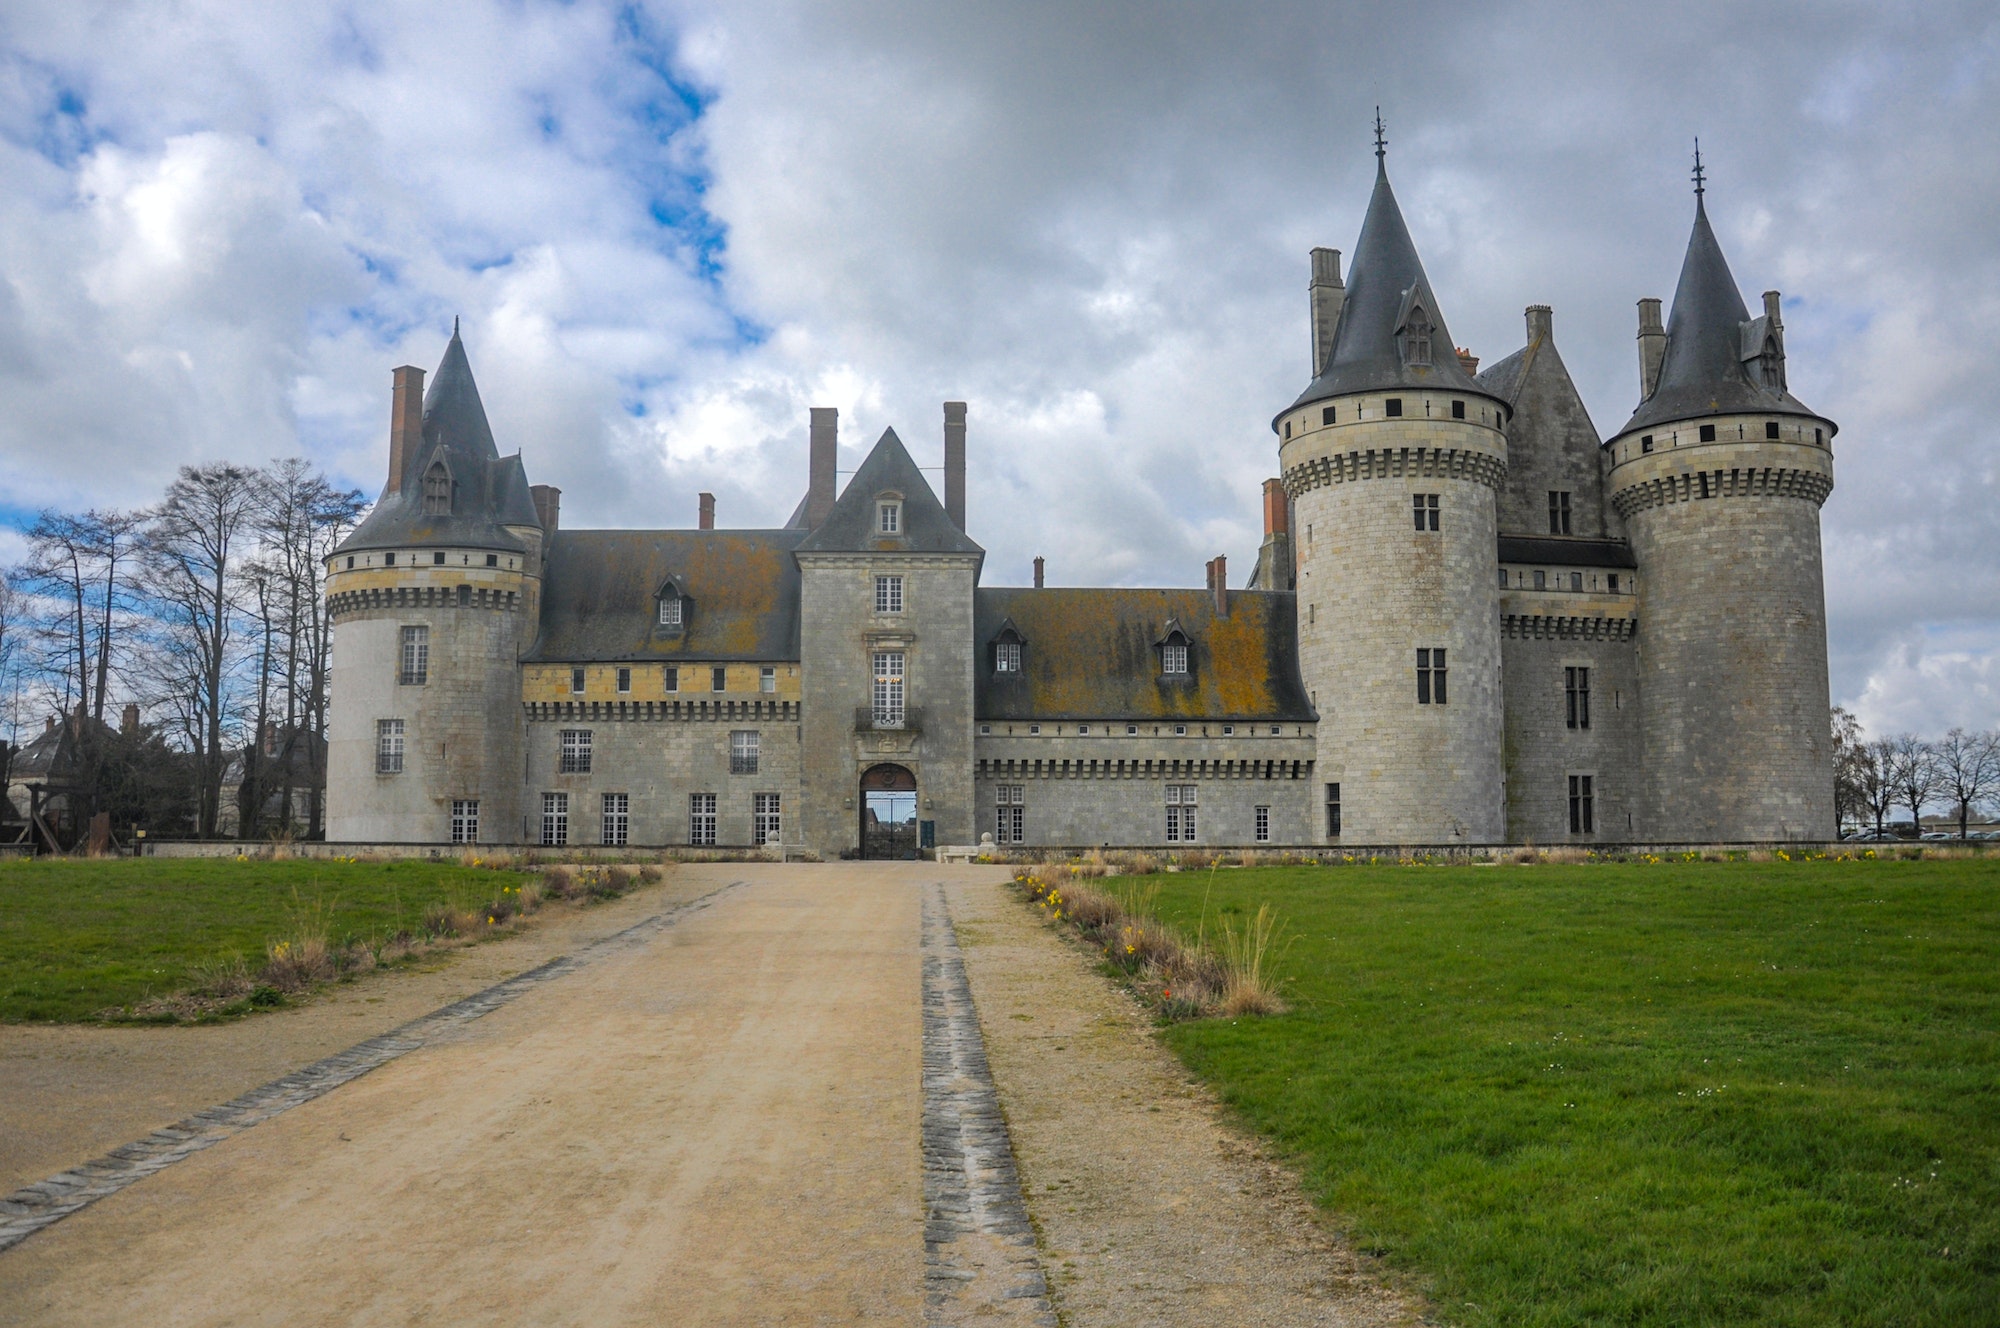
{"x": 1094, "y": 654}
{"x": 1704, "y": 370}
{"x": 1386, "y": 279}
{"x": 490, "y": 491}
{"x": 599, "y": 591}
{"x": 926, "y": 527}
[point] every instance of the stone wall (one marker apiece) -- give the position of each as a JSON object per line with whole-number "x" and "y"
{"x": 1543, "y": 751}
{"x": 1373, "y": 590}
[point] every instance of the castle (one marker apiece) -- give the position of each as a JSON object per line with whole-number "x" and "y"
{"x": 1471, "y": 621}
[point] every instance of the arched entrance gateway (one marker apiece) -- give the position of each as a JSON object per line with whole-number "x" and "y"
{"x": 888, "y": 812}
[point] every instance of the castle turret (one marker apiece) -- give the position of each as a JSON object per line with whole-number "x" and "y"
{"x": 1719, "y": 477}
{"x": 1392, "y": 458}
{"x": 433, "y": 598}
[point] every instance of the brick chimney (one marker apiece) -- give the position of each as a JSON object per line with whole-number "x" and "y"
{"x": 707, "y": 519}
{"x": 1327, "y": 294}
{"x": 1218, "y": 584}
{"x": 1652, "y": 347}
{"x": 128, "y": 723}
{"x": 1039, "y": 563}
{"x": 1467, "y": 361}
{"x": 406, "y": 423}
{"x": 49, "y": 724}
{"x": 954, "y": 462}
{"x": 823, "y": 449}
{"x": 1277, "y": 509}
{"x": 548, "y": 505}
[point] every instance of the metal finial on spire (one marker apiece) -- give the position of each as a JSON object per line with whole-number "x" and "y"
{"x": 1699, "y": 174}
{"x": 1381, "y": 143}
{"x": 454, "y": 324}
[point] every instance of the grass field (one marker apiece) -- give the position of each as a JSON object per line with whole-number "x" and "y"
{"x": 1686, "y": 1094}
{"x": 78, "y": 937}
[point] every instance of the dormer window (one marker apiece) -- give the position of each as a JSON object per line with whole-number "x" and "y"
{"x": 437, "y": 490}
{"x": 673, "y": 610}
{"x": 1007, "y": 651}
{"x": 1174, "y": 656}
{"x": 1417, "y": 337}
{"x": 889, "y": 515}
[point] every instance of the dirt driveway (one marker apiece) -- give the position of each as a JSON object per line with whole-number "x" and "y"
{"x": 732, "y": 1120}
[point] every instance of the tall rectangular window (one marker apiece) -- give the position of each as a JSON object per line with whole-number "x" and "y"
{"x": 1582, "y": 811}
{"x": 576, "y": 680}
{"x": 743, "y": 751}
{"x": 465, "y": 821}
{"x": 888, "y": 594}
{"x": 701, "y": 818}
{"x": 1576, "y": 698}
{"x": 718, "y": 679}
{"x": 1007, "y": 657}
{"x": 624, "y": 680}
{"x": 1558, "y": 512}
{"x": 889, "y": 689}
{"x": 889, "y": 518}
{"x": 766, "y": 825}
{"x": 617, "y": 819}
{"x": 670, "y": 610}
{"x": 670, "y": 679}
{"x": 1430, "y": 677}
{"x": 767, "y": 679}
{"x": 1173, "y": 657}
{"x": 1011, "y": 813}
{"x": 1333, "y": 811}
{"x": 555, "y": 818}
{"x": 388, "y": 746}
{"x": 1180, "y": 813}
{"x": 575, "y": 757}
{"x": 416, "y": 668}
{"x": 1263, "y": 825}
{"x": 1424, "y": 510}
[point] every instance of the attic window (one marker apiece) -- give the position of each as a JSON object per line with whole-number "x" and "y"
{"x": 1417, "y": 337}
{"x": 437, "y": 490}
{"x": 1007, "y": 651}
{"x": 1174, "y": 655}
{"x": 889, "y": 516}
{"x": 670, "y": 607}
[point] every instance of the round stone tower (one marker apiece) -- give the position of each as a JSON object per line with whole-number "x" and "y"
{"x": 1393, "y": 459}
{"x": 1719, "y": 477}
{"x": 432, "y": 600}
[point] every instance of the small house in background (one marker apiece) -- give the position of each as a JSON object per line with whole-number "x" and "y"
{"x": 276, "y": 785}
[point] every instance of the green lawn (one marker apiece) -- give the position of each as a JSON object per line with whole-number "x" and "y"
{"x": 78, "y": 937}
{"x": 1677, "y": 1094}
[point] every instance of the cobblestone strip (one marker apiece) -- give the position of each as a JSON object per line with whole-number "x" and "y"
{"x": 43, "y": 1204}
{"x": 979, "y": 1250}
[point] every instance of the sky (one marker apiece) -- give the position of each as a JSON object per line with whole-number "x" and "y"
{"x": 670, "y": 229}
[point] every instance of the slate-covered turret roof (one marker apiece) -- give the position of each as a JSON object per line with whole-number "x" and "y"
{"x": 1093, "y": 654}
{"x": 1706, "y": 370}
{"x": 1385, "y": 285}
{"x": 490, "y": 491}
{"x": 925, "y": 527}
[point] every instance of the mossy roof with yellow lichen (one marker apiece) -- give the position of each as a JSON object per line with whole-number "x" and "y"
{"x": 1095, "y": 654}
{"x": 601, "y": 595}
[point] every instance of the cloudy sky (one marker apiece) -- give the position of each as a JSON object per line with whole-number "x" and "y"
{"x": 672, "y": 228}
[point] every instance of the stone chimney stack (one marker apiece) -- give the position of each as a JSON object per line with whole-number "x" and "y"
{"x": 954, "y": 462}
{"x": 822, "y": 458}
{"x": 548, "y": 505}
{"x": 1772, "y": 301}
{"x": 707, "y": 520}
{"x": 128, "y": 723}
{"x": 1218, "y": 584}
{"x": 1541, "y": 323}
{"x": 1277, "y": 509}
{"x": 49, "y": 724}
{"x": 1040, "y": 562}
{"x": 1328, "y": 292}
{"x": 1652, "y": 346}
{"x": 406, "y": 423}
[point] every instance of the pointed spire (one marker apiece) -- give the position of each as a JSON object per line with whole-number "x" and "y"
{"x": 1704, "y": 371}
{"x": 1388, "y": 296}
{"x": 1699, "y": 177}
{"x": 454, "y": 417}
{"x": 1381, "y": 143}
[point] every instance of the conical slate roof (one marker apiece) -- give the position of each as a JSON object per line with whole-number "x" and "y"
{"x": 1384, "y": 286}
{"x": 1706, "y": 370}
{"x": 925, "y": 526}
{"x": 489, "y": 491}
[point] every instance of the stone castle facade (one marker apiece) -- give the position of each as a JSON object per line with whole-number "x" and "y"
{"x": 1472, "y": 620}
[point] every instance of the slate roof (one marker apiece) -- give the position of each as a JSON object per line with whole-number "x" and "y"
{"x": 1705, "y": 371}
{"x": 1570, "y": 552}
{"x": 600, "y": 588}
{"x": 1091, "y": 654}
{"x": 492, "y": 490}
{"x": 1385, "y": 279}
{"x": 926, "y": 527}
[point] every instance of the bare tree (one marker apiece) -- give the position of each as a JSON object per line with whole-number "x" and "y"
{"x": 1913, "y": 769}
{"x": 1875, "y": 763}
{"x": 57, "y": 572}
{"x": 113, "y": 546}
{"x": 192, "y": 553}
{"x": 1968, "y": 765}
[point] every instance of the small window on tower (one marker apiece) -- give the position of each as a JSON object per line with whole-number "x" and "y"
{"x": 1458, "y": 410}
{"x": 1393, "y": 406}
{"x": 1424, "y": 510}
{"x": 1770, "y": 428}
{"x": 1646, "y": 443}
{"x": 437, "y": 560}
{"x": 1708, "y": 433}
{"x": 1612, "y": 582}
{"x": 1288, "y": 428}
{"x": 492, "y": 560}
{"x": 437, "y": 490}
{"x": 1327, "y": 416}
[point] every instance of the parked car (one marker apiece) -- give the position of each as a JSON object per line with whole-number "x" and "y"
{"x": 1938, "y": 834}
